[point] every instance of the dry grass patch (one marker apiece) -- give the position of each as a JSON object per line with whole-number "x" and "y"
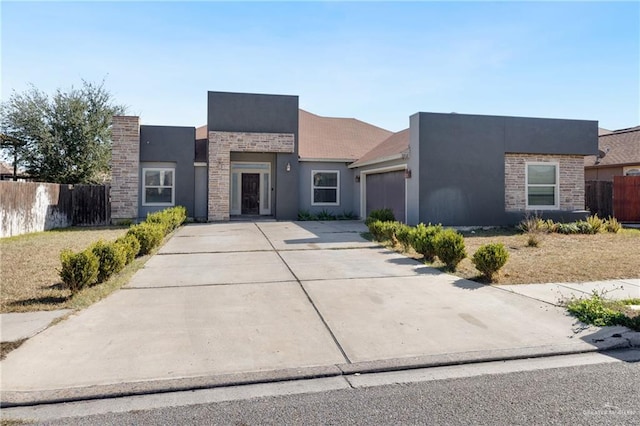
{"x": 29, "y": 266}
{"x": 558, "y": 258}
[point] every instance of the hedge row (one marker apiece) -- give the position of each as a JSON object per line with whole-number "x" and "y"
{"x": 433, "y": 241}
{"x": 103, "y": 259}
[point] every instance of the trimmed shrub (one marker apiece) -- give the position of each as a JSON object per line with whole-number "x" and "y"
{"x": 78, "y": 269}
{"x": 403, "y": 235}
{"x": 131, "y": 246}
{"x": 489, "y": 258}
{"x": 382, "y": 231}
{"x": 170, "y": 218}
{"x": 112, "y": 258}
{"x": 422, "y": 240}
{"x": 389, "y": 230}
{"x": 383, "y": 215}
{"x": 449, "y": 247}
{"x": 149, "y": 235}
{"x": 375, "y": 228}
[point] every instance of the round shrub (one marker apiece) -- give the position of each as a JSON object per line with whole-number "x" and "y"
{"x": 375, "y": 228}
{"x": 389, "y": 230}
{"x": 131, "y": 245}
{"x": 422, "y": 240}
{"x": 383, "y": 215}
{"x": 449, "y": 247}
{"x": 382, "y": 231}
{"x": 489, "y": 258}
{"x": 112, "y": 258}
{"x": 149, "y": 235}
{"x": 78, "y": 269}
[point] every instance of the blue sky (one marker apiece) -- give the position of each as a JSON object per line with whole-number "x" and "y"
{"x": 379, "y": 62}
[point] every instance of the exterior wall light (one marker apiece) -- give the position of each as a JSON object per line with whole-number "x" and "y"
{"x": 358, "y": 178}
{"x": 407, "y": 174}
{"x": 288, "y": 168}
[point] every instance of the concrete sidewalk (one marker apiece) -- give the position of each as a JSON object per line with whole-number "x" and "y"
{"x": 234, "y": 303}
{"x": 23, "y": 325}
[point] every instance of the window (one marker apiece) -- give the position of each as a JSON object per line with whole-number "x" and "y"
{"x": 542, "y": 185}
{"x": 159, "y": 187}
{"x": 325, "y": 187}
{"x": 632, "y": 171}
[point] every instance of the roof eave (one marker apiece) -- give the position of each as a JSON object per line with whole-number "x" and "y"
{"x": 377, "y": 161}
{"x": 599, "y": 166}
{"x": 326, "y": 160}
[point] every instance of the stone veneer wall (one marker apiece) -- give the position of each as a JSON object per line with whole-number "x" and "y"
{"x": 221, "y": 144}
{"x": 125, "y": 164}
{"x": 571, "y": 188}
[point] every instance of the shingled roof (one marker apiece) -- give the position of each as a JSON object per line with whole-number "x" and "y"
{"x": 5, "y": 169}
{"x": 394, "y": 147}
{"x": 620, "y": 148}
{"x": 331, "y": 138}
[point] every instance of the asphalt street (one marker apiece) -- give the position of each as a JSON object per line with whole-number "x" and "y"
{"x": 598, "y": 392}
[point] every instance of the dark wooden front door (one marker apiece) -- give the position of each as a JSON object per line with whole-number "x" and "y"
{"x": 250, "y": 193}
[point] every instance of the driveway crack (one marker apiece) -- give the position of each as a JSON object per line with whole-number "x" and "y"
{"x": 333, "y": 336}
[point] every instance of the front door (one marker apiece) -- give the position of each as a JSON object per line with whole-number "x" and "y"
{"x": 250, "y": 193}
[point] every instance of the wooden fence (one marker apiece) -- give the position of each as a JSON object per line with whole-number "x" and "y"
{"x": 598, "y": 197}
{"x": 626, "y": 198}
{"x": 31, "y": 206}
{"x": 620, "y": 198}
{"x": 90, "y": 205}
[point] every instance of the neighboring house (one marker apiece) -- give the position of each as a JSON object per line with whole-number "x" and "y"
{"x": 260, "y": 155}
{"x": 6, "y": 172}
{"x": 618, "y": 155}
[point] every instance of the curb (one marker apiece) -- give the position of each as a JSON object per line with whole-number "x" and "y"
{"x": 616, "y": 341}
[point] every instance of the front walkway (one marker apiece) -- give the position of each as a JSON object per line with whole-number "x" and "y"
{"x": 232, "y": 303}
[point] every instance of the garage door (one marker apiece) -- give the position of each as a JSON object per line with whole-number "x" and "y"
{"x": 386, "y": 191}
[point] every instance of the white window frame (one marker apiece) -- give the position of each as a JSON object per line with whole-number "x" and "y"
{"x": 145, "y": 186}
{"x": 314, "y": 187}
{"x": 556, "y": 186}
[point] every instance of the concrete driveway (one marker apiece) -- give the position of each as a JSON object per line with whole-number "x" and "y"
{"x": 244, "y": 302}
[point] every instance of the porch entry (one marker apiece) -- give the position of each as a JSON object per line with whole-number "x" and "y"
{"x": 250, "y": 188}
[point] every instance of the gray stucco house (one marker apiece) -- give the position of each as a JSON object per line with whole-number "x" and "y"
{"x": 260, "y": 155}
